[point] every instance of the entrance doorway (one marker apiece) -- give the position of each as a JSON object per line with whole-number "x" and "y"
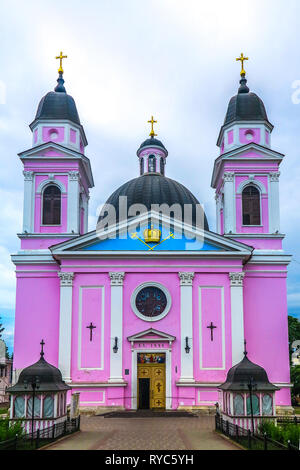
{"x": 151, "y": 378}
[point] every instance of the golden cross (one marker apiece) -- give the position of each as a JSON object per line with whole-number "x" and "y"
{"x": 152, "y": 133}
{"x": 242, "y": 59}
{"x": 61, "y": 57}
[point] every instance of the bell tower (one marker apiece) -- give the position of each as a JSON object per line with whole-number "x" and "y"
{"x": 57, "y": 174}
{"x": 246, "y": 173}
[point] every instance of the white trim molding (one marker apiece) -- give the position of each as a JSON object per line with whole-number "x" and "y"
{"x": 65, "y": 324}
{"x": 186, "y": 321}
{"x": 28, "y": 206}
{"x": 237, "y": 315}
{"x": 73, "y": 216}
{"x": 116, "y": 322}
{"x": 254, "y": 182}
{"x": 274, "y": 209}
{"x": 229, "y": 202}
{"x": 134, "y": 380}
{"x": 102, "y": 326}
{"x": 51, "y": 180}
{"x": 223, "y": 341}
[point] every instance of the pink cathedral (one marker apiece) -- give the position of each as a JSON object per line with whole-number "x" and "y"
{"x": 150, "y": 309}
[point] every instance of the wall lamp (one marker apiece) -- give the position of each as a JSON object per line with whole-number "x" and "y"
{"x": 115, "y": 348}
{"x": 187, "y": 347}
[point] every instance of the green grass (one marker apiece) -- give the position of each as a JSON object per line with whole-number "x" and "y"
{"x": 297, "y": 410}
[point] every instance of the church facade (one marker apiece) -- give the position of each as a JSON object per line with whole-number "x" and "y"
{"x": 151, "y": 309}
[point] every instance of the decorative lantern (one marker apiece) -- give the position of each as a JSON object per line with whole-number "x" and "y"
{"x": 247, "y": 397}
{"x": 39, "y": 398}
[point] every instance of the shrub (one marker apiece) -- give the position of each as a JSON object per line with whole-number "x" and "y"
{"x": 283, "y": 434}
{"x": 9, "y": 431}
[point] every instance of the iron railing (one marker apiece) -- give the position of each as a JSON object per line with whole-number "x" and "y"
{"x": 41, "y": 437}
{"x": 249, "y": 440}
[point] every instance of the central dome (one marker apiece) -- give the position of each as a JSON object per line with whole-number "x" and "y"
{"x": 154, "y": 188}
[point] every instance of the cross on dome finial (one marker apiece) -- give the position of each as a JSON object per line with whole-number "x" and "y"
{"x": 245, "y": 349}
{"x": 42, "y": 343}
{"x": 61, "y": 57}
{"x": 242, "y": 59}
{"x": 152, "y": 121}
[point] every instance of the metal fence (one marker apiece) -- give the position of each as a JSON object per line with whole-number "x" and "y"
{"x": 288, "y": 419}
{"x": 41, "y": 437}
{"x": 249, "y": 440}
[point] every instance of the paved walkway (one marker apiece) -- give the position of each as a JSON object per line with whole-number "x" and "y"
{"x": 98, "y": 433}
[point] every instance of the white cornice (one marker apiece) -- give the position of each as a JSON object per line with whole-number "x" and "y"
{"x": 267, "y": 154}
{"x": 34, "y": 153}
{"x": 24, "y": 258}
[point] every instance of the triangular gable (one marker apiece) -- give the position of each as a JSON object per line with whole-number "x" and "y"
{"x": 151, "y": 335}
{"x": 131, "y": 240}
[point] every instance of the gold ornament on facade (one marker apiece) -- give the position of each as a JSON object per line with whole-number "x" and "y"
{"x": 152, "y": 235}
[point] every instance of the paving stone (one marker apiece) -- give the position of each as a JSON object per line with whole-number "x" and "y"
{"x": 99, "y": 433}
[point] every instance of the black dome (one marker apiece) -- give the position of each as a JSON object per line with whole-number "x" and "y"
{"x": 152, "y": 142}
{"x": 153, "y": 188}
{"x": 245, "y": 106}
{"x": 238, "y": 377}
{"x": 49, "y": 376}
{"x": 57, "y": 105}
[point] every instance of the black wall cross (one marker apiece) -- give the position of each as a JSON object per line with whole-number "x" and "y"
{"x": 91, "y": 328}
{"x": 211, "y": 327}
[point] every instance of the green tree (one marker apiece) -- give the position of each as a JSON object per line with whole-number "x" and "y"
{"x": 294, "y": 332}
{"x": 2, "y": 328}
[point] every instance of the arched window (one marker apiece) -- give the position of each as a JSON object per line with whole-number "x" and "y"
{"x": 141, "y": 166}
{"x": 52, "y": 205}
{"x": 152, "y": 163}
{"x": 251, "y": 205}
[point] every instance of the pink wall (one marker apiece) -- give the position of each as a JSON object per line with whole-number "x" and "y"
{"x": 266, "y": 328}
{"x": 58, "y": 134}
{"x": 253, "y": 132}
{"x": 37, "y": 316}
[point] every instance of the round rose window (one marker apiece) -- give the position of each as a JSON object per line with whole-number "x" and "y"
{"x": 151, "y": 301}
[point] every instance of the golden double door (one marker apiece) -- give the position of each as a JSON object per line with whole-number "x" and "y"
{"x": 151, "y": 390}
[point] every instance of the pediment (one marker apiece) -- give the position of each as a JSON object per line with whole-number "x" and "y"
{"x": 51, "y": 149}
{"x": 151, "y": 335}
{"x": 128, "y": 238}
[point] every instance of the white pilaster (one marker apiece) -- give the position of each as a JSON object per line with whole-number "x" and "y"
{"x": 237, "y": 316}
{"x": 274, "y": 213}
{"x": 65, "y": 325}
{"x": 186, "y": 321}
{"x": 229, "y": 203}
{"x": 218, "y": 215}
{"x": 28, "y": 215}
{"x": 73, "y": 202}
{"x": 116, "y": 331}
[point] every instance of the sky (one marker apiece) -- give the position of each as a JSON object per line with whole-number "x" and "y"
{"x": 129, "y": 60}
